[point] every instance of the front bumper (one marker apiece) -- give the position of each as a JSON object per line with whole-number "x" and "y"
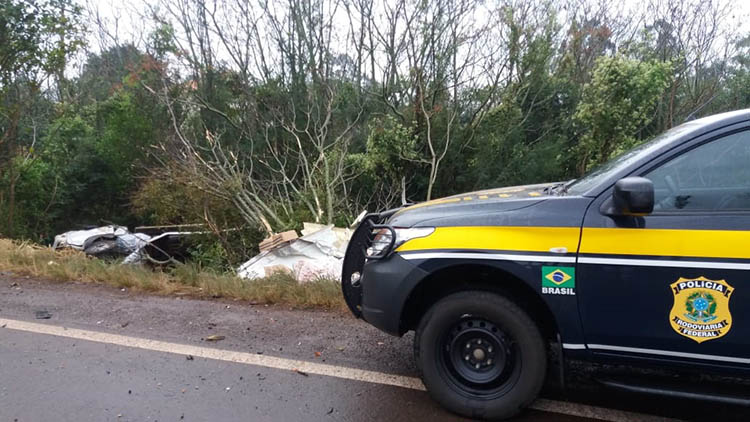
{"x": 376, "y": 289}
{"x": 386, "y": 285}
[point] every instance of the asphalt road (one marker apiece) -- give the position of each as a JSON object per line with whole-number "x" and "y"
{"x": 107, "y": 354}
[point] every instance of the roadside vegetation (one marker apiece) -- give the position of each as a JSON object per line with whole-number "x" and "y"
{"x": 251, "y": 117}
{"x": 24, "y": 258}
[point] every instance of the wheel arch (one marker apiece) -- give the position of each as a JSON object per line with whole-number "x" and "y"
{"x": 476, "y": 276}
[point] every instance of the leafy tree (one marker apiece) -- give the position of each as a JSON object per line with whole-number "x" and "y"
{"x": 735, "y": 94}
{"x": 616, "y": 106}
{"x": 36, "y": 38}
{"x": 254, "y": 117}
{"x": 388, "y": 162}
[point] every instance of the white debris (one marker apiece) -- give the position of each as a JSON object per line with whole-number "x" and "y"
{"x": 318, "y": 253}
{"x": 81, "y": 239}
{"x": 116, "y": 240}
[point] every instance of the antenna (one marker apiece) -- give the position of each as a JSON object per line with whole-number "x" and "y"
{"x": 691, "y": 116}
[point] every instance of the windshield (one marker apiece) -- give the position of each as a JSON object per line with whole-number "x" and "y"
{"x": 603, "y": 171}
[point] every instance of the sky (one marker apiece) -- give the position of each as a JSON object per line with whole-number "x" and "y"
{"x": 128, "y": 20}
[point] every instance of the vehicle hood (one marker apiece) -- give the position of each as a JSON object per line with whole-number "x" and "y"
{"x": 471, "y": 205}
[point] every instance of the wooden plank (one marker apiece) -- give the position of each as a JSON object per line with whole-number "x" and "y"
{"x": 277, "y": 240}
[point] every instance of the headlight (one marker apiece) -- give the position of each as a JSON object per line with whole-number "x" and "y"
{"x": 382, "y": 238}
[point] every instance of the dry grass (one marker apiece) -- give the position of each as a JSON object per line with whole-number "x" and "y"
{"x": 68, "y": 265}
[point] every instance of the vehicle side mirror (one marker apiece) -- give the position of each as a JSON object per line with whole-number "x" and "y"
{"x": 632, "y": 196}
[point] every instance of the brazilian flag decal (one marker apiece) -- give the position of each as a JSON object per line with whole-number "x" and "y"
{"x": 558, "y": 277}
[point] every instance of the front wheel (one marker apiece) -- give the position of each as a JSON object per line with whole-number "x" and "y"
{"x": 481, "y": 356}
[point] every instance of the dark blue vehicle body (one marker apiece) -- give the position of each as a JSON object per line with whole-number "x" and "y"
{"x": 624, "y": 305}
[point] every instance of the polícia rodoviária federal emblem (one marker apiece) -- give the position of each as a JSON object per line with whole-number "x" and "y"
{"x": 701, "y": 308}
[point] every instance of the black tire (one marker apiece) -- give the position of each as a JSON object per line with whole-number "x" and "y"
{"x": 454, "y": 350}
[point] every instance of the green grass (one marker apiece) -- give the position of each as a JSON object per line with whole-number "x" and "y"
{"x": 68, "y": 265}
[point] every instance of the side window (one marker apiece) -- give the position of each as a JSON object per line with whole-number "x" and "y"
{"x": 714, "y": 176}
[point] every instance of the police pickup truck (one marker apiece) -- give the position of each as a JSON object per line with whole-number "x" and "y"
{"x": 645, "y": 261}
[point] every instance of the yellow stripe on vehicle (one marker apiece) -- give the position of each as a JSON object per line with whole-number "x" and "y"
{"x": 666, "y": 242}
{"x": 530, "y": 239}
{"x": 604, "y": 241}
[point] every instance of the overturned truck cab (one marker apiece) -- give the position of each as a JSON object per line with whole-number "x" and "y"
{"x": 643, "y": 261}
